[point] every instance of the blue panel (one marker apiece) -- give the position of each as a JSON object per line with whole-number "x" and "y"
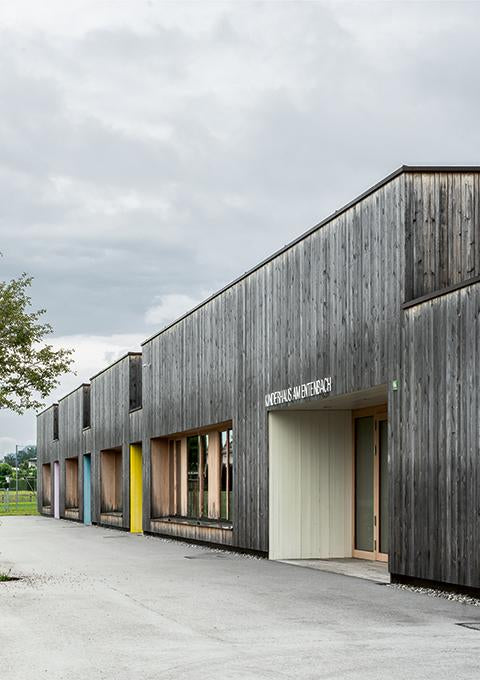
{"x": 87, "y": 490}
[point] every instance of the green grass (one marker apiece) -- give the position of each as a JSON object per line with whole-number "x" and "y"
{"x": 27, "y": 503}
{"x": 21, "y": 509}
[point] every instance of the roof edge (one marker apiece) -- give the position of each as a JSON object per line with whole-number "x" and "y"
{"x": 117, "y": 361}
{"x": 55, "y": 403}
{"x": 441, "y": 168}
{"x": 74, "y": 390}
{"x": 393, "y": 175}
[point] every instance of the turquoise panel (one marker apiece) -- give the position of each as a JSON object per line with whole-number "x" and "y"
{"x": 87, "y": 489}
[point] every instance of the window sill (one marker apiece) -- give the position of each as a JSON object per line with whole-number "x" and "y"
{"x": 440, "y": 292}
{"x": 209, "y": 523}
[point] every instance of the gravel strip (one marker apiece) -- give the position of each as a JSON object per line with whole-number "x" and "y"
{"x": 204, "y": 548}
{"x": 434, "y": 592}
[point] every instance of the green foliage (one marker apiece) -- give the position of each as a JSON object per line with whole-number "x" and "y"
{"x": 27, "y": 453}
{"x": 29, "y": 368}
{"x": 5, "y": 471}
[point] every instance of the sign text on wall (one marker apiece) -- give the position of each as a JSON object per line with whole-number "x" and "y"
{"x": 309, "y": 389}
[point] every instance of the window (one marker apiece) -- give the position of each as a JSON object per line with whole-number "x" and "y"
{"x": 227, "y": 475}
{"x": 86, "y": 406}
{"x": 197, "y": 476}
{"x": 135, "y": 382}
{"x": 55, "y": 421}
{"x": 177, "y": 470}
{"x": 192, "y": 476}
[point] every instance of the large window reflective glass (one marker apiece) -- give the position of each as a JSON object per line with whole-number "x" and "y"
{"x": 193, "y": 480}
{"x": 226, "y": 475}
{"x": 364, "y": 460}
{"x": 204, "y": 478}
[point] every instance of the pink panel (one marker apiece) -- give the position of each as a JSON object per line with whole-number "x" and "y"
{"x": 56, "y": 489}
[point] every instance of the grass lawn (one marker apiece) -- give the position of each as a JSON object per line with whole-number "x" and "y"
{"x": 27, "y": 503}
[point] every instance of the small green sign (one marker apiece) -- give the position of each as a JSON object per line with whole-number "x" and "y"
{"x": 394, "y": 385}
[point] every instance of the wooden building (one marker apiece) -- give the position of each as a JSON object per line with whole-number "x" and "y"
{"x": 325, "y": 404}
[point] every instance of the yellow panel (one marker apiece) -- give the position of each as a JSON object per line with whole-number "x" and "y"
{"x": 136, "y": 488}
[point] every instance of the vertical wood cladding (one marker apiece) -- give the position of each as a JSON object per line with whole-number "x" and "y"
{"x": 47, "y": 452}
{"x": 442, "y": 235}
{"x": 435, "y": 472}
{"x": 72, "y": 440}
{"x": 434, "y": 417}
{"x": 113, "y": 426}
{"x": 327, "y": 306}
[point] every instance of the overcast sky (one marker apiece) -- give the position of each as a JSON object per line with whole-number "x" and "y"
{"x": 151, "y": 151}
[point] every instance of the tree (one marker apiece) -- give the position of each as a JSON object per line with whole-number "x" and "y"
{"x": 26, "y": 453}
{"x": 5, "y": 471}
{"x": 23, "y": 469}
{"x": 29, "y": 368}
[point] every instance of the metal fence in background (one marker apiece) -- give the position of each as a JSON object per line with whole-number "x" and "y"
{"x": 21, "y": 500}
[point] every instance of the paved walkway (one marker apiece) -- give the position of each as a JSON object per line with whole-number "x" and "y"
{"x": 373, "y": 571}
{"x": 101, "y": 604}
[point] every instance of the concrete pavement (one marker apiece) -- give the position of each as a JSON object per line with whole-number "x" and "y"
{"x": 101, "y": 604}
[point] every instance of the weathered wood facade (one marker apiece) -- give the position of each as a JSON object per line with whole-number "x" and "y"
{"x": 383, "y": 295}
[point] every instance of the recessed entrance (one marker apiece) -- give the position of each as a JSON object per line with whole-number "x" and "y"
{"x": 111, "y": 478}
{"x": 328, "y": 486}
{"x": 46, "y": 488}
{"x": 370, "y": 428}
{"x": 71, "y": 488}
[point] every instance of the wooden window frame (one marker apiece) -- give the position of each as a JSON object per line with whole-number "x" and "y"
{"x": 229, "y": 453}
{"x": 169, "y": 487}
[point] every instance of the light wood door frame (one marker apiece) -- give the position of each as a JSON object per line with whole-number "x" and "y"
{"x": 378, "y": 413}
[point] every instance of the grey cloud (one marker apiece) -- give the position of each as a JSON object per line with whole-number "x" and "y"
{"x": 139, "y": 162}
{"x": 167, "y": 155}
